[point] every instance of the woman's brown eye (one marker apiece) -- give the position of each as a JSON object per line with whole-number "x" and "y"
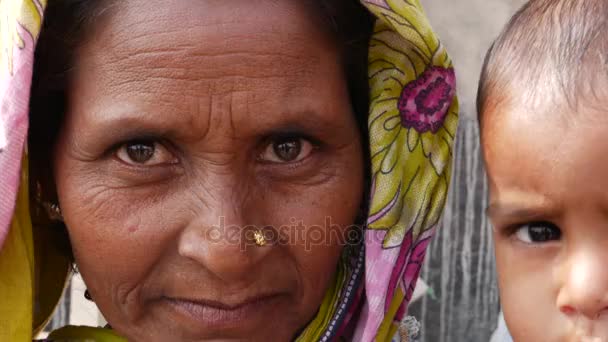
{"x": 287, "y": 150}
{"x": 140, "y": 153}
{"x": 147, "y": 153}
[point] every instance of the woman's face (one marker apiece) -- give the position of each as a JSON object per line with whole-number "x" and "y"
{"x": 189, "y": 124}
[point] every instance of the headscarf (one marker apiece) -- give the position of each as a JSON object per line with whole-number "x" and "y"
{"x": 412, "y": 123}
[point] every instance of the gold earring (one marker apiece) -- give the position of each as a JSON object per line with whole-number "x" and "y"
{"x": 260, "y": 240}
{"x": 53, "y": 210}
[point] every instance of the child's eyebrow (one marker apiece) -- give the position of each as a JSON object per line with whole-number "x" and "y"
{"x": 511, "y": 211}
{"x": 520, "y": 207}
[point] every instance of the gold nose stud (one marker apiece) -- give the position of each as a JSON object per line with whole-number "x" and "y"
{"x": 260, "y": 240}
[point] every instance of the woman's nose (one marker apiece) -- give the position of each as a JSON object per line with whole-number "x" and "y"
{"x": 584, "y": 290}
{"x": 221, "y": 241}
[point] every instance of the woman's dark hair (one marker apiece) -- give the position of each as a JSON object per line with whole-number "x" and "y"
{"x": 67, "y": 24}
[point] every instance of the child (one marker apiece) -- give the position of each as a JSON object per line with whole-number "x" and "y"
{"x": 542, "y": 103}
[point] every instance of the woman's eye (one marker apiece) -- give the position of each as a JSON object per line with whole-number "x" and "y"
{"x": 539, "y": 232}
{"x": 287, "y": 150}
{"x": 148, "y": 153}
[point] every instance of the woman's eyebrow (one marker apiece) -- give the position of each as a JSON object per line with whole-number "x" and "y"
{"x": 119, "y": 125}
{"x": 305, "y": 120}
{"x": 113, "y": 124}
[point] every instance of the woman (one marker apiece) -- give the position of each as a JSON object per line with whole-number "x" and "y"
{"x": 212, "y": 162}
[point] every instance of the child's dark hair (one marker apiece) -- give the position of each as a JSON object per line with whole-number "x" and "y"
{"x": 554, "y": 49}
{"x": 69, "y": 23}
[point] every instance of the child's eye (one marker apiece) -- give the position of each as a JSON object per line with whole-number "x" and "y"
{"x": 144, "y": 153}
{"x": 538, "y": 232}
{"x": 287, "y": 150}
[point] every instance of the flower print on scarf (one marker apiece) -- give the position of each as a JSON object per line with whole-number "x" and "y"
{"x": 412, "y": 123}
{"x": 405, "y": 276}
{"x": 424, "y": 102}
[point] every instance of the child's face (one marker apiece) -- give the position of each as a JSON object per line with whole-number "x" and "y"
{"x": 548, "y": 174}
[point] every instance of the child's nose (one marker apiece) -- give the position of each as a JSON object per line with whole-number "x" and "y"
{"x": 584, "y": 284}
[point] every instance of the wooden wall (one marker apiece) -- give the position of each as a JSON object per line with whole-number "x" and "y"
{"x": 459, "y": 265}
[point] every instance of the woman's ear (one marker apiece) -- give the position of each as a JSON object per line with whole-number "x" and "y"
{"x": 45, "y": 210}
{"x": 44, "y": 204}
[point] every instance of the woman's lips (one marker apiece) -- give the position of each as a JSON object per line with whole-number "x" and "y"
{"x": 214, "y": 316}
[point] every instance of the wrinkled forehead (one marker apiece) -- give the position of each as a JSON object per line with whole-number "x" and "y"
{"x": 201, "y": 59}
{"x": 236, "y": 43}
{"x": 155, "y": 33}
{"x": 266, "y": 14}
